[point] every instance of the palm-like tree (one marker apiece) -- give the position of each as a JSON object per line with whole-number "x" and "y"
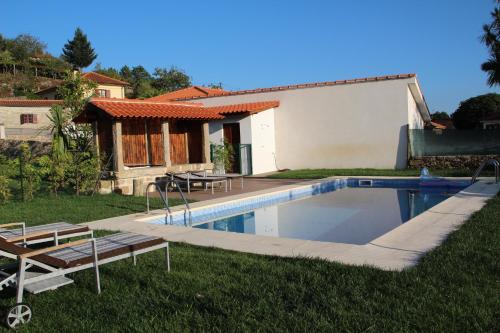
{"x": 58, "y": 124}
{"x": 491, "y": 38}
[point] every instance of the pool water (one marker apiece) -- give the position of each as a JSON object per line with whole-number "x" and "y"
{"x": 354, "y": 215}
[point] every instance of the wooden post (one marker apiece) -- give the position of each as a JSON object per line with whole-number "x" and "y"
{"x": 166, "y": 143}
{"x": 205, "y": 136}
{"x": 117, "y": 146}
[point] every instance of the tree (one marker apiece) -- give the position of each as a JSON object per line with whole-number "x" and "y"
{"x": 170, "y": 80}
{"x": 126, "y": 73}
{"x": 491, "y": 38}
{"x": 471, "y": 111}
{"x": 110, "y": 71}
{"x": 79, "y": 51}
{"x": 25, "y": 46}
{"x": 440, "y": 115}
{"x": 141, "y": 83}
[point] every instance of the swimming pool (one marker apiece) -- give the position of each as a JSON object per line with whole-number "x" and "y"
{"x": 355, "y": 212}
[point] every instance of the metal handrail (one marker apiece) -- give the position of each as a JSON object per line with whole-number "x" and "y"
{"x": 165, "y": 198}
{"x": 491, "y": 161}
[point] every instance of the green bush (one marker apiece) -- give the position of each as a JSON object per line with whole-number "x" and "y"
{"x": 8, "y": 167}
{"x": 82, "y": 171}
{"x": 5, "y": 193}
{"x": 29, "y": 173}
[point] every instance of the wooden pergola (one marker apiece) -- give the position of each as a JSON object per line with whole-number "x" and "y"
{"x": 141, "y": 134}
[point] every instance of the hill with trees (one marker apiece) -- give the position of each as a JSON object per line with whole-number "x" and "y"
{"x": 26, "y": 67}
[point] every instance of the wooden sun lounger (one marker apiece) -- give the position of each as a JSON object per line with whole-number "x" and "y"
{"x": 190, "y": 178}
{"x": 228, "y": 176}
{"x": 53, "y": 263}
{"x": 42, "y": 233}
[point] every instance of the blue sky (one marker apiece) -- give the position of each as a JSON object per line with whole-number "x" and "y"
{"x": 251, "y": 44}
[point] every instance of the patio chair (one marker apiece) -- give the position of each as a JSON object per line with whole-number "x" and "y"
{"x": 190, "y": 179}
{"x": 39, "y": 270}
{"x": 42, "y": 233}
{"x": 228, "y": 176}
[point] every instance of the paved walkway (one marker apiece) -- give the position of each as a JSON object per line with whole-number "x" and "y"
{"x": 250, "y": 184}
{"x": 399, "y": 249}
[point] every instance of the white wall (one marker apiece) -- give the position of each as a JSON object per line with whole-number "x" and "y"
{"x": 263, "y": 142}
{"x": 258, "y": 130}
{"x": 361, "y": 125}
{"x": 415, "y": 120}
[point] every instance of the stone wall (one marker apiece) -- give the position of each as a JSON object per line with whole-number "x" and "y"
{"x": 10, "y": 148}
{"x": 470, "y": 162}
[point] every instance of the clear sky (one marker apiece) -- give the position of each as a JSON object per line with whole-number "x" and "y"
{"x": 252, "y": 44}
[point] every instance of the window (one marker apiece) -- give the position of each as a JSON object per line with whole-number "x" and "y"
{"x": 102, "y": 93}
{"x": 29, "y": 118}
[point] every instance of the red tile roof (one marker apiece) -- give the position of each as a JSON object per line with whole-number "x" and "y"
{"x": 191, "y": 92}
{"x": 245, "y": 107}
{"x": 127, "y": 108}
{"x": 120, "y": 108}
{"x": 29, "y": 102}
{"x": 103, "y": 79}
{"x": 309, "y": 85}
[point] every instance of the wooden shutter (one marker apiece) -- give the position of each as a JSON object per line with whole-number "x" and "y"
{"x": 107, "y": 93}
{"x": 35, "y": 119}
{"x": 195, "y": 142}
{"x": 177, "y": 136}
{"x": 155, "y": 141}
{"x": 134, "y": 142}
{"x": 21, "y": 119}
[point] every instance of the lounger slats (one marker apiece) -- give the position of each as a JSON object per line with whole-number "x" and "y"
{"x": 107, "y": 247}
{"x": 61, "y": 227}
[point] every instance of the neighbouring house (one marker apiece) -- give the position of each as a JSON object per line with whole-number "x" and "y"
{"x": 106, "y": 87}
{"x": 360, "y": 123}
{"x": 24, "y": 119}
{"x": 491, "y": 121}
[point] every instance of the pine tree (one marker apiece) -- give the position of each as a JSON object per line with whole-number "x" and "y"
{"x": 79, "y": 51}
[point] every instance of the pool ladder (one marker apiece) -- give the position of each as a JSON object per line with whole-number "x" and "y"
{"x": 164, "y": 198}
{"x": 485, "y": 163}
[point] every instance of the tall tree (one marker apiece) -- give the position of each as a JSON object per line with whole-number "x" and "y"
{"x": 491, "y": 38}
{"x": 471, "y": 111}
{"x": 79, "y": 51}
{"x": 25, "y": 46}
{"x": 170, "y": 80}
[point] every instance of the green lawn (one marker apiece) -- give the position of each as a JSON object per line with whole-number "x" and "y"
{"x": 322, "y": 173}
{"x": 455, "y": 288}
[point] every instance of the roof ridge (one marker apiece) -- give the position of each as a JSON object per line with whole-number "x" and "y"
{"x": 105, "y": 76}
{"x": 307, "y": 85}
{"x": 144, "y": 101}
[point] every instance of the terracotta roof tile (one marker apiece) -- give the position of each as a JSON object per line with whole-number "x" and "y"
{"x": 120, "y": 108}
{"x": 103, "y": 79}
{"x": 124, "y": 108}
{"x": 245, "y": 107}
{"x": 191, "y": 92}
{"x": 29, "y": 102}
{"x": 306, "y": 85}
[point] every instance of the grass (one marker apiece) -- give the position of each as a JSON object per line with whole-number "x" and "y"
{"x": 322, "y": 173}
{"x": 454, "y": 288}
{"x": 72, "y": 209}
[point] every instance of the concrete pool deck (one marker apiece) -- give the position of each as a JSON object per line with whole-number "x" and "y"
{"x": 396, "y": 250}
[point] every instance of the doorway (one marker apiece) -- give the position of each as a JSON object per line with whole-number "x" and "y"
{"x": 232, "y": 137}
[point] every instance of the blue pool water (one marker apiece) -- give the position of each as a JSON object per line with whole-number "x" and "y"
{"x": 356, "y": 213}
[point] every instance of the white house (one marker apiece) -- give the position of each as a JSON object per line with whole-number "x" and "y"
{"x": 360, "y": 123}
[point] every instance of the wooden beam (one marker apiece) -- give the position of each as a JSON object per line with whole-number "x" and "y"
{"x": 205, "y": 139}
{"x": 117, "y": 146}
{"x": 166, "y": 143}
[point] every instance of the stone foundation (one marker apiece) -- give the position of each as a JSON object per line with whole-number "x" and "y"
{"x": 124, "y": 183}
{"x": 11, "y": 149}
{"x": 470, "y": 162}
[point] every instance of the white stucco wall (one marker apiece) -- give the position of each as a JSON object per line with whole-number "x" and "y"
{"x": 415, "y": 120}
{"x": 362, "y": 125}
{"x": 257, "y": 130}
{"x": 263, "y": 141}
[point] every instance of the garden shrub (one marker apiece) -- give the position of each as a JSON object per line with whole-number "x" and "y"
{"x": 5, "y": 193}
{"x": 29, "y": 173}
